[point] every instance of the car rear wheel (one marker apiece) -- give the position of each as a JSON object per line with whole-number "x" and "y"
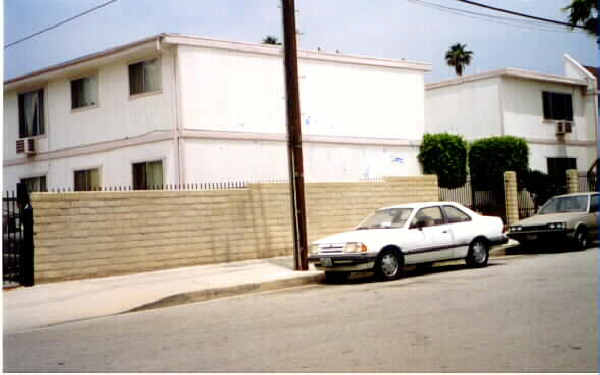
{"x": 332, "y": 277}
{"x": 581, "y": 239}
{"x": 388, "y": 265}
{"x": 478, "y": 253}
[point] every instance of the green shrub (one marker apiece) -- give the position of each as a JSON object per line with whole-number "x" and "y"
{"x": 446, "y": 156}
{"x": 490, "y": 157}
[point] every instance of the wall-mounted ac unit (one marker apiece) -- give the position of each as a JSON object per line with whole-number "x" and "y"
{"x": 564, "y": 127}
{"x": 26, "y": 146}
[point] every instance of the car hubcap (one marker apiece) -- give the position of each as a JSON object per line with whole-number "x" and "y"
{"x": 582, "y": 240}
{"x": 479, "y": 252}
{"x": 389, "y": 265}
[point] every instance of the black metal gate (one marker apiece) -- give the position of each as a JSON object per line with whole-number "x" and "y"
{"x": 17, "y": 240}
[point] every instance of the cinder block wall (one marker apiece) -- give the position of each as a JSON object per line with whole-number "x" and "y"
{"x": 94, "y": 234}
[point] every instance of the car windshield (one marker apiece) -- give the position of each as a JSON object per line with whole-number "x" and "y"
{"x": 387, "y": 218}
{"x": 577, "y": 203}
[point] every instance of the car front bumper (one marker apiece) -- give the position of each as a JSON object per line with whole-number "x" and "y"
{"x": 542, "y": 235}
{"x": 343, "y": 262}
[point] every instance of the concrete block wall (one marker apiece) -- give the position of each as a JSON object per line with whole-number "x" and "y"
{"x": 95, "y": 234}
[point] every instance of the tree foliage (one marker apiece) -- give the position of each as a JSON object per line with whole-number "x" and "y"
{"x": 269, "y": 39}
{"x": 446, "y": 156}
{"x": 584, "y": 13}
{"x": 490, "y": 157}
{"x": 458, "y": 57}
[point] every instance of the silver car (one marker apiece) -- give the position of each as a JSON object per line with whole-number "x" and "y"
{"x": 571, "y": 217}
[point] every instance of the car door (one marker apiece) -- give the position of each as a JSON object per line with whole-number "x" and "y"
{"x": 461, "y": 226}
{"x": 594, "y": 216}
{"x": 436, "y": 238}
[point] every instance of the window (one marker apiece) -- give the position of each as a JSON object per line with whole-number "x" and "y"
{"x": 557, "y": 106}
{"x": 84, "y": 92}
{"x": 144, "y": 77}
{"x": 454, "y": 215}
{"x": 35, "y": 183}
{"x": 557, "y": 167}
{"x": 86, "y": 180}
{"x": 31, "y": 114}
{"x": 147, "y": 175}
{"x": 595, "y": 201}
{"x": 431, "y": 216}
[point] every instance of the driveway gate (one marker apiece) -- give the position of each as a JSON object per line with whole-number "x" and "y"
{"x": 17, "y": 238}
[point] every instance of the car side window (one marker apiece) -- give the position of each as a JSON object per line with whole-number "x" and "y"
{"x": 595, "y": 200}
{"x": 430, "y": 216}
{"x": 455, "y": 215}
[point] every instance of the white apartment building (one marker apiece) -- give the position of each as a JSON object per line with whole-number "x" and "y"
{"x": 556, "y": 115}
{"x": 177, "y": 109}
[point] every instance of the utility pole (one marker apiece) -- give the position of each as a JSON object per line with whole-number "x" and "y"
{"x": 294, "y": 133}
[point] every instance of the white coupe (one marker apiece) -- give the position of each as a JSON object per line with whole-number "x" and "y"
{"x": 417, "y": 233}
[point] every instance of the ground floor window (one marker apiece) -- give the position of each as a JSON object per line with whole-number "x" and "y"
{"x": 86, "y": 180}
{"x": 557, "y": 167}
{"x": 35, "y": 184}
{"x": 148, "y": 175}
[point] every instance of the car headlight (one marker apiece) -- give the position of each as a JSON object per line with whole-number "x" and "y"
{"x": 314, "y": 249}
{"x": 355, "y": 247}
{"x": 516, "y": 228}
{"x": 557, "y": 226}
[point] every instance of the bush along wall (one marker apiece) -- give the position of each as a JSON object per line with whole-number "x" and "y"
{"x": 444, "y": 155}
{"x": 490, "y": 157}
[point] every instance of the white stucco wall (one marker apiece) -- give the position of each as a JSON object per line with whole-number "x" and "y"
{"x": 117, "y": 115}
{"x": 470, "y": 109}
{"x": 524, "y": 110}
{"x": 260, "y": 160}
{"x": 240, "y": 91}
{"x": 115, "y": 166}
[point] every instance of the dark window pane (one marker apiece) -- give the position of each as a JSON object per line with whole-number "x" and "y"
{"x": 31, "y": 114}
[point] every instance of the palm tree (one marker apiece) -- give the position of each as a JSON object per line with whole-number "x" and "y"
{"x": 269, "y": 39}
{"x": 584, "y": 13}
{"x": 458, "y": 57}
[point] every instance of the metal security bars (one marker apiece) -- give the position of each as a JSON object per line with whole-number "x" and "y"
{"x": 17, "y": 238}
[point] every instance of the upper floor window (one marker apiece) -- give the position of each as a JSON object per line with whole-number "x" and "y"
{"x": 144, "y": 77}
{"x": 557, "y": 106}
{"x": 84, "y": 92}
{"x": 148, "y": 175}
{"x": 86, "y": 180}
{"x": 31, "y": 114}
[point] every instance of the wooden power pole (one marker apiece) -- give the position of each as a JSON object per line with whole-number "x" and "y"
{"x": 294, "y": 133}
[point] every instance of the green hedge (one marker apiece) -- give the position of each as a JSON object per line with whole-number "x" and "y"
{"x": 446, "y": 156}
{"x": 490, "y": 157}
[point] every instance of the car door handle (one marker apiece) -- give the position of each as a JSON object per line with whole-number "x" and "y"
{"x": 444, "y": 231}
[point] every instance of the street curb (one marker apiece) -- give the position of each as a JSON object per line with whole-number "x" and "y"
{"x": 209, "y": 294}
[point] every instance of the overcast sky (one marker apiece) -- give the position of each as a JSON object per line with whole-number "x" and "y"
{"x": 409, "y": 29}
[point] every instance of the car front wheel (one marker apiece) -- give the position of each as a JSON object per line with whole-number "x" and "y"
{"x": 388, "y": 265}
{"x": 478, "y": 254}
{"x": 581, "y": 239}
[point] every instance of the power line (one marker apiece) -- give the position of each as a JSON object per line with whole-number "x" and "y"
{"x": 59, "y": 23}
{"x": 519, "y": 14}
{"x": 509, "y": 21}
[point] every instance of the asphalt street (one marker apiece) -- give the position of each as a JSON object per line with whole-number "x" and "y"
{"x": 521, "y": 313}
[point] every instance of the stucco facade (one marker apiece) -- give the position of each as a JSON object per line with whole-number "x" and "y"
{"x": 219, "y": 115}
{"x": 510, "y": 102}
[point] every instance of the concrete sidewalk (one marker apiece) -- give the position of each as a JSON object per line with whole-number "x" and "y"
{"x": 48, "y": 304}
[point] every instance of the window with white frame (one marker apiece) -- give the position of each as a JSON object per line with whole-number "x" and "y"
{"x": 557, "y": 106}
{"x": 144, "y": 77}
{"x": 87, "y": 179}
{"x": 84, "y": 92}
{"x": 31, "y": 114}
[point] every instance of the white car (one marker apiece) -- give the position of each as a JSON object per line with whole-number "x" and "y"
{"x": 417, "y": 233}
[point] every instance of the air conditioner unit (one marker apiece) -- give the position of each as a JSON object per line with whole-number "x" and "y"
{"x": 20, "y": 146}
{"x": 30, "y": 146}
{"x": 564, "y": 127}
